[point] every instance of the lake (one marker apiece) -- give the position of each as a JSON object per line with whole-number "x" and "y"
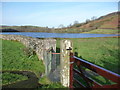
{"x": 59, "y": 35}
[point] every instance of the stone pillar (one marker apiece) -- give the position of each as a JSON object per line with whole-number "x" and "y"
{"x": 66, "y": 48}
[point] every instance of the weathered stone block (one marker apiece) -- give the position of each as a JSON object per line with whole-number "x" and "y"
{"x": 66, "y": 48}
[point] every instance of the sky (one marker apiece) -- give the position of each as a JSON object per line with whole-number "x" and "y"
{"x": 52, "y": 14}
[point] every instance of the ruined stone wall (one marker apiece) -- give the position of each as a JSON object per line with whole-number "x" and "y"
{"x": 38, "y": 45}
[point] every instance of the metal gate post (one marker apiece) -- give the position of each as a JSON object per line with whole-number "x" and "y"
{"x": 71, "y": 70}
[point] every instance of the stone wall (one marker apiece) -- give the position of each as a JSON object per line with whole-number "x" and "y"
{"x": 38, "y": 45}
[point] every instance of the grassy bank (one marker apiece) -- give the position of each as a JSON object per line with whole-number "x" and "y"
{"x": 16, "y": 57}
{"x": 104, "y": 31}
{"x": 58, "y": 30}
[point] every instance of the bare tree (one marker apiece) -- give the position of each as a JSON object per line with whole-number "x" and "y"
{"x": 61, "y": 26}
{"x": 93, "y": 18}
{"x": 69, "y": 25}
{"x": 76, "y": 22}
{"x": 87, "y": 20}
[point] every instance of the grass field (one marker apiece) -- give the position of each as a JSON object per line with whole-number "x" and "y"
{"x": 100, "y": 51}
{"x": 104, "y": 31}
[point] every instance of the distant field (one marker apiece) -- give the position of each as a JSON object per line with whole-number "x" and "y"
{"x": 104, "y": 31}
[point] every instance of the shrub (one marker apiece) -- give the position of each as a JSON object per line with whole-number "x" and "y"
{"x": 28, "y": 51}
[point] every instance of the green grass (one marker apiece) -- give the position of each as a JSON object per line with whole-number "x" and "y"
{"x": 103, "y": 52}
{"x": 44, "y": 80}
{"x": 8, "y": 78}
{"x": 46, "y": 83}
{"x": 96, "y": 77}
{"x": 53, "y": 85}
{"x": 100, "y": 51}
{"x": 102, "y": 80}
{"x": 103, "y": 31}
{"x": 14, "y": 58}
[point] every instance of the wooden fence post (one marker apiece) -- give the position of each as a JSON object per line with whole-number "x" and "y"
{"x": 66, "y": 48}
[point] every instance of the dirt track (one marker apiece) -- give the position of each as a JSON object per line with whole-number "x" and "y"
{"x": 31, "y": 82}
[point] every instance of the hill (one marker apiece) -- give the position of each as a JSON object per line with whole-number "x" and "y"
{"x": 24, "y": 29}
{"x": 108, "y": 22}
{"x": 105, "y": 24}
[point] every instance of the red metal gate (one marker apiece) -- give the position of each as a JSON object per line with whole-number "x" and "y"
{"x": 90, "y": 83}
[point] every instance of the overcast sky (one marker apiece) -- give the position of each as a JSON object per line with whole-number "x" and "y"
{"x": 52, "y": 14}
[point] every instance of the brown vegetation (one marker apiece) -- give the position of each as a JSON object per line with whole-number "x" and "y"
{"x": 110, "y": 21}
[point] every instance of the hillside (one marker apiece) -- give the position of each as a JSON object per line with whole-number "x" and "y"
{"x": 105, "y": 24}
{"x": 108, "y": 22}
{"x": 24, "y": 29}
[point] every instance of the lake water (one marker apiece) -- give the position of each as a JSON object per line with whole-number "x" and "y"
{"x": 59, "y": 35}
